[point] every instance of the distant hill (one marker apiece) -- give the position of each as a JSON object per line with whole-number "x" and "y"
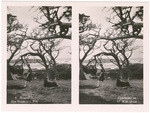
{"x": 29, "y": 60}
{"x": 135, "y": 60}
{"x": 39, "y": 60}
{"x": 103, "y": 61}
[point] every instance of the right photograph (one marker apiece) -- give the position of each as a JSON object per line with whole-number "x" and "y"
{"x": 111, "y": 55}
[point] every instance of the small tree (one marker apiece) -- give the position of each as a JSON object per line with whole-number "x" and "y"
{"x": 16, "y": 34}
{"x": 87, "y": 39}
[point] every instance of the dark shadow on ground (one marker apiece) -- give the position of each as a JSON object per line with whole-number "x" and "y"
{"x": 91, "y": 99}
{"x": 87, "y": 87}
{"x": 44, "y": 102}
{"x": 15, "y": 87}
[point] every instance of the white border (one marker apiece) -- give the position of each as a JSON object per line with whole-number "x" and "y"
{"x": 75, "y": 64}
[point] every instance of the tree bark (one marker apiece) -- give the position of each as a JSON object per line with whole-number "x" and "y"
{"x": 9, "y": 76}
{"x": 82, "y": 75}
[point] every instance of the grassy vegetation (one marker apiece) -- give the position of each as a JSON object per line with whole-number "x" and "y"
{"x": 109, "y": 93}
{"x": 36, "y": 93}
{"x": 135, "y": 69}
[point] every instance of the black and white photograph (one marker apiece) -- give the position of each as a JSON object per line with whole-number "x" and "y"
{"x": 74, "y": 56}
{"x": 39, "y": 54}
{"x": 111, "y": 55}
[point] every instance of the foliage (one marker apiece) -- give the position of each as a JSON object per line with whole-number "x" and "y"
{"x": 16, "y": 34}
{"x": 56, "y": 19}
{"x": 12, "y": 23}
{"x": 127, "y": 21}
{"x": 136, "y": 72}
{"x": 63, "y": 69}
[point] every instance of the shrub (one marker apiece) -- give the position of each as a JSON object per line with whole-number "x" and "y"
{"x": 64, "y": 71}
{"x": 39, "y": 74}
{"x": 112, "y": 73}
{"x": 136, "y": 71}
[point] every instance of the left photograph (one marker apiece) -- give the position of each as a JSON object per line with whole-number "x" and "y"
{"x": 39, "y": 54}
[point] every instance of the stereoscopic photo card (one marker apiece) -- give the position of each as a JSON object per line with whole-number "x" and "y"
{"x": 75, "y": 56}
